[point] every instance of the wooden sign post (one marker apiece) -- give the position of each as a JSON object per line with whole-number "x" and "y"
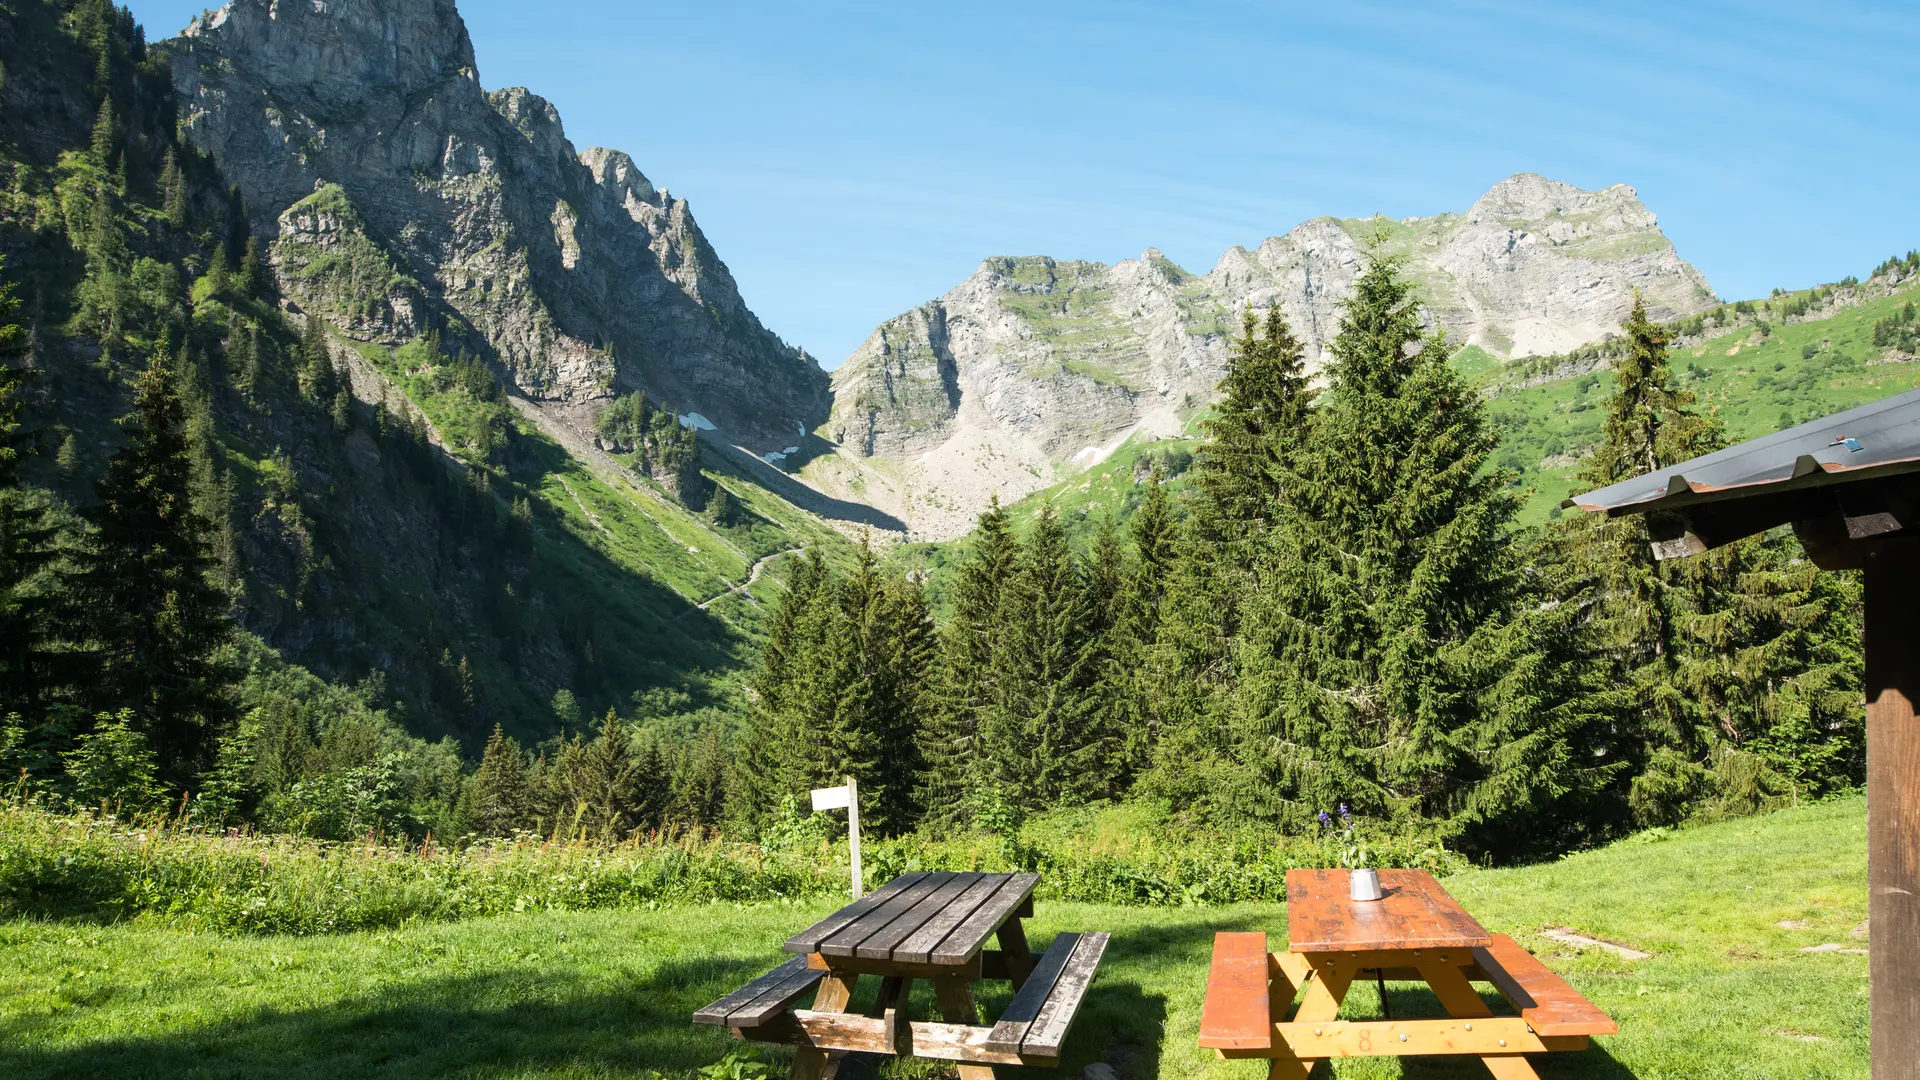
{"x": 835, "y": 798}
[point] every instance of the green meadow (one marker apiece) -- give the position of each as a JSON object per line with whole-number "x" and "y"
{"x": 1726, "y": 910}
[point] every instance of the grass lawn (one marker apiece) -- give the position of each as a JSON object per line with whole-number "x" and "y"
{"x": 1728, "y": 993}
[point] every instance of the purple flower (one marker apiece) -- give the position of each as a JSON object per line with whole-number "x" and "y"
{"x": 1324, "y": 819}
{"x": 1343, "y": 811}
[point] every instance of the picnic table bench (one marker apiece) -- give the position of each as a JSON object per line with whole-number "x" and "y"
{"x": 1415, "y": 933}
{"x": 922, "y": 925}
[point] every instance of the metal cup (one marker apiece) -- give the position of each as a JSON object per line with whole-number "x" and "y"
{"x": 1363, "y": 885}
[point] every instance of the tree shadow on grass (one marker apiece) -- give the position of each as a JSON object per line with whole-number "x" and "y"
{"x": 496, "y": 1025}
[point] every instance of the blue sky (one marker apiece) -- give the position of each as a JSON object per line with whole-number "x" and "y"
{"x": 849, "y": 161}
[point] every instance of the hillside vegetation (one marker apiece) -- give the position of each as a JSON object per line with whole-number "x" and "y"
{"x": 1759, "y": 365}
{"x": 1728, "y": 912}
{"x": 297, "y": 573}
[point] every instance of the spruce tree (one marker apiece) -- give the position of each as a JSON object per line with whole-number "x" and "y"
{"x": 841, "y": 691}
{"x": 1131, "y": 680}
{"x": 964, "y": 675}
{"x": 105, "y": 143}
{"x": 158, "y": 620}
{"x": 1718, "y": 666}
{"x": 173, "y": 191}
{"x": 28, "y": 538}
{"x": 317, "y": 379}
{"x": 773, "y": 762}
{"x": 250, "y": 272}
{"x": 1240, "y": 475}
{"x": 498, "y": 800}
{"x": 1393, "y": 661}
{"x": 1043, "y": 737}
{"x": 890, "y": 635}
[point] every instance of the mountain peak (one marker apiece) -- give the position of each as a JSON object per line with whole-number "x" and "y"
{"x": 570, "y": 272}
{"x": 1033, "y": 367}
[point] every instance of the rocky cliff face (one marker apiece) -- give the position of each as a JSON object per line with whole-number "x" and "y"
{"x": 399, "y": 194}
{"x": 1033, "y": 366}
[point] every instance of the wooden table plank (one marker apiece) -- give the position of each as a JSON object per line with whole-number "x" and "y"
{"x": 809, "y": 940}
{"x": 1416, "y": 913}
{"x": 973, "y": 932}
{"x": 918, "y": 947}
{"x": 879, "y": 945}
{"x": 1236, "y": 1014}
{"x": 848, "y": 938}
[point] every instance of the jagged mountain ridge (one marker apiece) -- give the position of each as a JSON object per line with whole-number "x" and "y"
{"x": 571, "y": 269}
{"x": 1033, "y": 366}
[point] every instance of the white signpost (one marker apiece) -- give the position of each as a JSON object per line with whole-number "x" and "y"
{"x": 846, "y": 797}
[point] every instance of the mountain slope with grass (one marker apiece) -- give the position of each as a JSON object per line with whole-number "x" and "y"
{"x": 1758, "y": 365}
{"x": 390, "y": 507}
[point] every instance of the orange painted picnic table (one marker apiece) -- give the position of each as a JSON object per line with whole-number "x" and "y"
{"x": 1415, "y": 933}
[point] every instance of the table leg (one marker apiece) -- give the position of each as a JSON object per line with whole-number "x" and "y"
{"x": 956, "y": 1007}
{"x": 1013, "y": 944}
{"x": 891, "y": 1007}
{"x": 1325, "y": 991}
{"x": 1457, "y": 996}
{"x": 811, "y": 1062}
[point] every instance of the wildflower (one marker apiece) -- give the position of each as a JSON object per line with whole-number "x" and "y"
{"x": 1324, "y": 819}
{"x": 1343, "y": 812}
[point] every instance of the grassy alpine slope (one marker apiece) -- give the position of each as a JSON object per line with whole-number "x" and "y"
{"x": 1728, "y": 992}
{"x": 1762, "y": 366}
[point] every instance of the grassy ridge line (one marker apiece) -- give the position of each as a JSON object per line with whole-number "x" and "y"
{"x": 608, "y": 994}
{"x": 1757, "y": 384}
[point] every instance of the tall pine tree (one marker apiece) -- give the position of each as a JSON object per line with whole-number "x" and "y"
{"x": 1719, "y": 667}
{"x": 1393, "y": 661}
{"x": 158, "y": 621}
{"x": 28, "y": 607}
{"x": 964, "y": 672}
{"x": 1043, "y": 737}
{"x": 841, "y": 691}
{"x": 1240, "y": 475}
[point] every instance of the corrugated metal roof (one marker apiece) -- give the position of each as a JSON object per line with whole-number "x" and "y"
{"x": 1881, "y": 439}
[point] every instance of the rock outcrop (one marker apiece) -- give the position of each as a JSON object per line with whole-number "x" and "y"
{"x": 1032, "y": 366}
{"x": 359, "y": 128}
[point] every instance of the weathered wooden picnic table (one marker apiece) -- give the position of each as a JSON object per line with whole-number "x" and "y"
{"x": 1415, "y": 933}
{"x": 931, "y": 926}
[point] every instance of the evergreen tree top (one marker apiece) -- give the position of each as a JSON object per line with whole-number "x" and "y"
{"x": 1650, "y": 423}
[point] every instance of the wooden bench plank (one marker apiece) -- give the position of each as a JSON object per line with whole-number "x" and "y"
{"x": 754, "y": 1002}
{"x": 846, "y": 940}
{"x": 808, "y": 940}
{"x": 971, "y": 934}
{"x": 880, "y": 944}
{"x": 918, "y": 947}
{"x": 1025, "y": 1006}
{"x": 1235, "y": 1015}
{"x": 1049, "y": 1029}
{"x": 1543, "y": 998}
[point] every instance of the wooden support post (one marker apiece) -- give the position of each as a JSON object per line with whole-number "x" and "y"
{"x": 956, "y": 1007}
{"x": 1019, "y": 957}
{"x": 1893, "y": 804}
{"x": 812, "y": 1063}
{"x": 853, "y": 835}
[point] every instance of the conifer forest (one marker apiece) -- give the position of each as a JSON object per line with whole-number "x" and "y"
{"x": 239, "y": 590}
